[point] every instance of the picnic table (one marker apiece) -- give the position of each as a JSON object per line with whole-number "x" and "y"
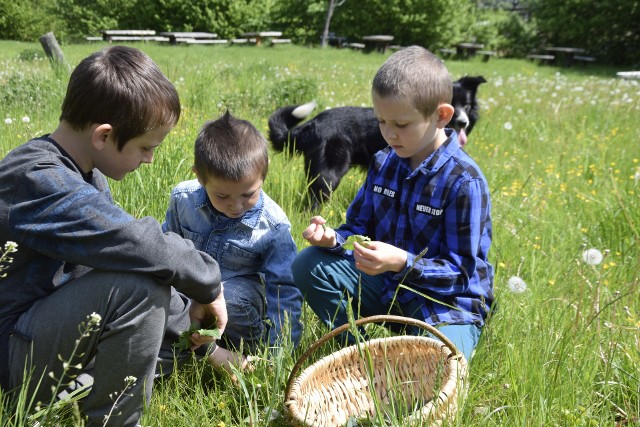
{"x": 568, "y": 54}
{"x": 129, "y": 35}
{"x": 261, "y": 36}
{"x": 175, "y": 37}
{"x": 628, "y": 74}
{"x": 467, "y": 49}
{"x": 377, "y": 42}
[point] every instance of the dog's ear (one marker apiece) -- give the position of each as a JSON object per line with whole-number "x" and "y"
{"x": 472, "y": 82}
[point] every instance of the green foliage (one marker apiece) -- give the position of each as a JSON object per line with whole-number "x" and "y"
{"x": 26, "y": 19}
{"x": 89, "y": 17}
{"x": 227, "y": 18}
{"x": 609, "y": 30}
{"x": 507, "y": 32}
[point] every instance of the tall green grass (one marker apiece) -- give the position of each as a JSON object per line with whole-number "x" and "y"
{"x": 560, "y": 150}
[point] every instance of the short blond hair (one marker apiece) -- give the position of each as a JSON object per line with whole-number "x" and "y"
{"x": 417, "y": 75}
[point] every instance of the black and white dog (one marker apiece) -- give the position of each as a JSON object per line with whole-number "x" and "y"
{"x": 339, "y": 138}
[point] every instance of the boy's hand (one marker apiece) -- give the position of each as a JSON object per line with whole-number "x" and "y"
{"x": 202, "y": 312}
{"x": 320, "y": 235}
{"x": 379, "y": 257}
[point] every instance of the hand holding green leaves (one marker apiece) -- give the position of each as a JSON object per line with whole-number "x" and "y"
{"x": 184, "y": 342}
{"x": 363, "y": 240}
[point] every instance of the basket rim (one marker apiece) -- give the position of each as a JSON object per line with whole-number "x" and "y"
{"x": 455, "y": 362}
{"x": 382, "y": 318}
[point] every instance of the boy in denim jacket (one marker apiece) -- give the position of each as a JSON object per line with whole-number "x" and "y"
{"x": 82, "y": 260}
{"x": 426, "y": 207}
{"x": 226, "y": 214}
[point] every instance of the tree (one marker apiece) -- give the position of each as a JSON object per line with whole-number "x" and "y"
{"x": 327, "y": 21}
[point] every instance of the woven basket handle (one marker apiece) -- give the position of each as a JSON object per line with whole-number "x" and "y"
{"x": 363, "y": 321}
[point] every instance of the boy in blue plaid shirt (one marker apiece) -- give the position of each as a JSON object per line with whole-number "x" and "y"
{"x": 425, "y": 205}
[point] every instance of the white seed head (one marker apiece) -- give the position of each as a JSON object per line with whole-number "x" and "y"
{"x": 592, "y": 256}
{"x": 516, "y": 285}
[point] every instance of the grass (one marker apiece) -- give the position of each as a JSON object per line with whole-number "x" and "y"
{"x": 560, "y": 150}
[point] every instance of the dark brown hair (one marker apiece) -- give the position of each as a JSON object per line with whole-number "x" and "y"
{"x": 123, "y": 87}
{"x": 231, "y": 149}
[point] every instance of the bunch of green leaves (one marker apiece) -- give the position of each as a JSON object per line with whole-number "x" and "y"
{"x": 362, "y": 240}
{"x": 184, "y": 342}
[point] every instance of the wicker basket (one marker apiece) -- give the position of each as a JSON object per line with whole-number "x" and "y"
{"x": 415, "y": 378}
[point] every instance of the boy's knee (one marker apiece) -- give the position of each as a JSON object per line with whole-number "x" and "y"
{"x": 135, "y": 295}
{"x": 303, "y": 263}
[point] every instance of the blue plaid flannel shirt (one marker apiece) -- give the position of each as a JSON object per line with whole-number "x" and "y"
{"x": 442, "y": 207}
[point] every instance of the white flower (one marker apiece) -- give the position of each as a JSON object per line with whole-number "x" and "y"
{"x": 26, "y": 119}
{"x": 516, "y": 285}
{"x": 130, "y": 380}
{"x": 11, "y": 247}
{"x": 95, "y": 318}
{"x": 508, "y": 126}
{"x": 8, "y": 121}
{"x": 592, "y": 256}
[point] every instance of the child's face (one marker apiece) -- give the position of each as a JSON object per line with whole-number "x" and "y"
{"x": 233, "y": 198}
{"x": 117, "y": 164}
{"x": 406, "y": 130}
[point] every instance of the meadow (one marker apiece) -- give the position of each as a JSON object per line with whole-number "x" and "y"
{"x": 559, "y": 148}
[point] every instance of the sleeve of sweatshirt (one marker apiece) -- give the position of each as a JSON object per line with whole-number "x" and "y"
{"x": 68, "y": 219}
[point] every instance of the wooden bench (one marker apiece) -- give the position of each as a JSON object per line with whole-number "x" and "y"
{"x": 447, "y": 52}
{"x": 205, "y": 41}
{"x": 175, "y": 37}
{"x": 93, "y": 39}
{"x": 127, "y": 35}
{"x": 547, "y": 59}
{"x": 584, "y": 60}
{"x": 355, "y": 46}
{"x": 468, "y": 49}
{"x": 280, "y": 41}
{"x": 628, "y": 74}
{"x": 486, "y": 54}
{"x": 262, "y": 36}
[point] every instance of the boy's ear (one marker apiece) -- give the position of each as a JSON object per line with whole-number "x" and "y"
{"x": 100, "y": 135}
{"x": 445, "y": 113}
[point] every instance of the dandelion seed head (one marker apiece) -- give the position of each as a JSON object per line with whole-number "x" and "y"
{"x": 516, "y": 285}
{"x": 26, "y": 119}
{"x": 508, "y": 126}
{"x": 8, "y": 121}
{"x": 592, "y": 256}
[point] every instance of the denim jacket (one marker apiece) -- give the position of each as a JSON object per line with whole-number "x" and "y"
{"x": 259, "y": 242}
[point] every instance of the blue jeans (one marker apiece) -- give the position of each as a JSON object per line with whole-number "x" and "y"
{"x": 327, "y": 280}
{"x": 246, "y": 310}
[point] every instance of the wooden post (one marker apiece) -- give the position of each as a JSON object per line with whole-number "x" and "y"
{"x": 52, "y": 48}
